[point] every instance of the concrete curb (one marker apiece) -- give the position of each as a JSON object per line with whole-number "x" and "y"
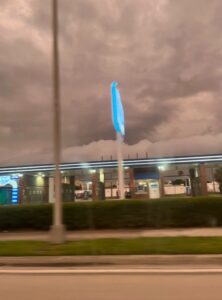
{"x": 115, "y": 260}
{"x": 122, "y": 234}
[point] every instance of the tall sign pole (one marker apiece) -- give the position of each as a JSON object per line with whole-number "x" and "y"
{"x": 118, "y": 124}
{"x": 119, "y": 141}
{"x": 57, "y": 230}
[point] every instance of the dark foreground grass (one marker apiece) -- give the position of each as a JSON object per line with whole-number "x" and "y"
{"x": 138, "y": 246}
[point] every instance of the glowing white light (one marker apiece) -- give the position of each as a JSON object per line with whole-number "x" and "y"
{"x": 92, "y": 171}
{"x": 162, "y": 168}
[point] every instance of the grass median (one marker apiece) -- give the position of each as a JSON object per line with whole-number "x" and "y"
{"x": 137, "y": 246}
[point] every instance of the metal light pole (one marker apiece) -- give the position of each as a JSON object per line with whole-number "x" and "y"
{"x": 118, "y": 124}
{"x": 119, "y": 140}
{"x": 57, "y": 230}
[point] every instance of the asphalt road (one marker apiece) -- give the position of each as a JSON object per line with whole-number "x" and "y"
{"x": 111, "y": 286}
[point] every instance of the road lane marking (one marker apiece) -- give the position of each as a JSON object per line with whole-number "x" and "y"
{"x": 108, "y": 271}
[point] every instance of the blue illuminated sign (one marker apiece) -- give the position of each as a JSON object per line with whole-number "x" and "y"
{"x": 117, "y": 109}
{"x": 13, "y": 182}
{"x": 14, "y": 195}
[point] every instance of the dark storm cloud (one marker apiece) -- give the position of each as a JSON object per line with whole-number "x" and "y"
{"x": 163, "y": 54}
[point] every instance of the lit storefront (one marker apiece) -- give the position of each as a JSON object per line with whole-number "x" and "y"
{"x": 143, "y": 179}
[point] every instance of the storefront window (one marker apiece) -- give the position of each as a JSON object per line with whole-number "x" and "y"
{"x": 141, "y": 186}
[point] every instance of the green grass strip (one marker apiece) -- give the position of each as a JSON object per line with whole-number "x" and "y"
{"x": 138, "y": 246}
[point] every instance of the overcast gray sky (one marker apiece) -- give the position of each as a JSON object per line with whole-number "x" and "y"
{"x": 165, "y": 54}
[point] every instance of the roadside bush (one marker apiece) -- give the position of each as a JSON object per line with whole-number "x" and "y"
{"x": 37, "y": 217}
{"x": 127, "y": 214}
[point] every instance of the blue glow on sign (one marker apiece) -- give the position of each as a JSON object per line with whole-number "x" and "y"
{"x": 117, "y": 109}
{"x": 15, "y": 195}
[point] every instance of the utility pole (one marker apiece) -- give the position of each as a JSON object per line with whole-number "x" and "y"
{"x": 57, "y": 230}
{"x": 119, "y": 140}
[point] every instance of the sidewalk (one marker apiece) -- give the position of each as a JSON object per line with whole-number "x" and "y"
{"x": 119, "y": 234}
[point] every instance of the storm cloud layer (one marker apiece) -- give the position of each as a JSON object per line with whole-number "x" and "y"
{"x": 165, "y": 54}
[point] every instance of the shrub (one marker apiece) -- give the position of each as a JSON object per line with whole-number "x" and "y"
{"x": 160, "y": 213}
